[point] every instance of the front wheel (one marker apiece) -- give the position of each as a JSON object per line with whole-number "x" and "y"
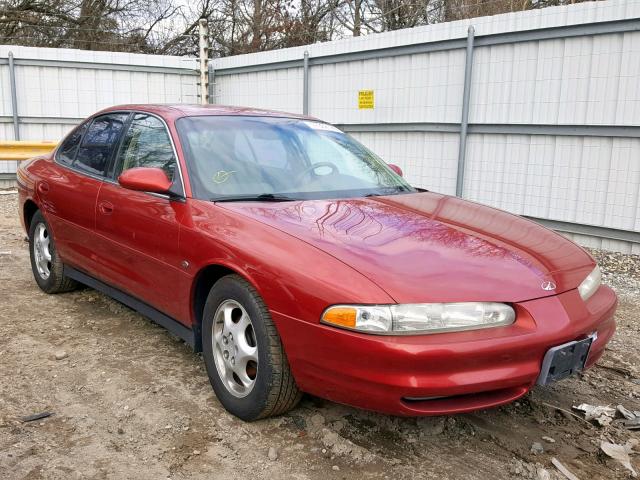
{"x": 47, "y": 267}
{"x": 245, "y": 360}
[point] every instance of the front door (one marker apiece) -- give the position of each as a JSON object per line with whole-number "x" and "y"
{"x": 139, "y": 245}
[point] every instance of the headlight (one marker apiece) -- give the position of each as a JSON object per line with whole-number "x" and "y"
{"x": 420, "y": 318}
{"x": 590, "y": 284}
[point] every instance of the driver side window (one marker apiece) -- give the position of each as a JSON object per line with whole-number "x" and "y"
{"x": 147, "y": 144}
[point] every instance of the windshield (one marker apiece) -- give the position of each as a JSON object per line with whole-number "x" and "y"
{"x": 232, "y": 157}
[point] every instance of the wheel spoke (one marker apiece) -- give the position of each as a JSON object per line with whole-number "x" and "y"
{"x": 241, "y": 373}
{"x": 239, "y": 328}
{"x": 245, "y": 351}
{"x": 228, "y": 377}
{"x": 228, "y": 322}
{"x": 46, "y": 252}
{"x": 217, "y": 332}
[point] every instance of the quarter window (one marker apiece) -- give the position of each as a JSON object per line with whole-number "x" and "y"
{"x": 98, "y": 143}
{"x": 69, "y": 148}
{"x": 147, "y": 144}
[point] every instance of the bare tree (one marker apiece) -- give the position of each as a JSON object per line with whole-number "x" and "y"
{"x": 126, "y": 25}
{"x": 235, "y": 26}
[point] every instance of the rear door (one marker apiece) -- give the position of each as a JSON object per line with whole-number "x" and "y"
{"x": 69, "y": 196}
{"x": 139, "y": 245}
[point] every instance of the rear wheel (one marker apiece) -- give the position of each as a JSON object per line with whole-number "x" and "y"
{"x": 46, "y": 265}
{"x": 245, "y": 360}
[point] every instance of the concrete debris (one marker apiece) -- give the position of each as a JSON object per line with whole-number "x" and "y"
{"x": 563, "y": 470}
{"x": 61, "y": 355}
{"x": 543, "y": 474}
{"x": 621, "y": 454}
{"x": 602, "y": 415}
{"x": 632, "y": 419}
{"x": 628, "y": 414}
{"x": 273, "y": 454}
{"x": 537, "y": 448}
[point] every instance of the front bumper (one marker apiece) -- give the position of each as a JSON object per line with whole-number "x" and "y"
{"x": 443, "y": 373}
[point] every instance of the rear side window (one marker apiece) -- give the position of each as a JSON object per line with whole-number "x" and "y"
{"x": 147, "y": 144}
{"x": 99, "y": 142}
{"x": 69, "y": 148}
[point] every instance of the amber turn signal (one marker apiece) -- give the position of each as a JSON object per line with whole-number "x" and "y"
{"x": 341, "y": 316}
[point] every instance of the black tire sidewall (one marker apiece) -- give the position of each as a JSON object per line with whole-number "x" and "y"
{"x": 50, "y": 282}
{"x": 250, "y": 407}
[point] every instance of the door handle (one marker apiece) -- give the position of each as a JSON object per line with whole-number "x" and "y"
{"x": 105, "y": 208}
{"x": 43, "y": 187}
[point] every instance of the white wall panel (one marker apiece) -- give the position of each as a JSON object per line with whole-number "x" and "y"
{"x": 604, "y": 243}
{"x": 588, "y": 180}
{"x": 628, "y": 103}
{"x": 275, "y": 89}
{"x": 567, "y": 81}
{"x": 6, "y": 132}
{"x": 46, "y": 132}
{"x": 428, "y": 160}
{"x": 409, "y": 88}
{"x": 5, "y": 91}
{"x": 79, "y": 92}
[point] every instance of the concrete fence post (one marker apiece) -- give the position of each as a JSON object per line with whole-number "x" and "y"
{"x": 464, "y": 121}
{"x": 203, "y": 41}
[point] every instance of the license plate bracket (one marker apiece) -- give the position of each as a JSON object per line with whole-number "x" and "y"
{"x": 564, "y": 360}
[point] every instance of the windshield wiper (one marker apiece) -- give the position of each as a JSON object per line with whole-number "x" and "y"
{"x": 263, "y": 197}
{"x": 390, "y": 191}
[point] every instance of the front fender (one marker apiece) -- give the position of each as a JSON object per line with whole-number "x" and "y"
{"x": 293, "y": 277}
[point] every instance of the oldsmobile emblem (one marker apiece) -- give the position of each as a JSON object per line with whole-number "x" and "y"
{"x": 548, "y": 285}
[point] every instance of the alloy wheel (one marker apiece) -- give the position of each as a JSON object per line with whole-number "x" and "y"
{"x": 41, "y": 251}
{"x": 235, "y": 350}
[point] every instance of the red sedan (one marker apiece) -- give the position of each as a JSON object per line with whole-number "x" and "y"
{"x": 298, "y": 261}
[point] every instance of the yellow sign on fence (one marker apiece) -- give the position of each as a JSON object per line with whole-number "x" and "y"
{"x": 365, "y": 99}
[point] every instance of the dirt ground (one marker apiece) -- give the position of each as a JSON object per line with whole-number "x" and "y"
{"x": 131, "y": 401}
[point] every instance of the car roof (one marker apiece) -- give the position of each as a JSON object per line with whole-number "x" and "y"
{"x": 178, "y": 110}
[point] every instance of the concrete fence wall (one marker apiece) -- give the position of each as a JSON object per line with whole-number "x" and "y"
{"x": 56, "y": 88}
{"x": 552, "y": 112}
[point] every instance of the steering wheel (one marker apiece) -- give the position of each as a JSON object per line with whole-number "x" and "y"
{"x": 314, "y": 167}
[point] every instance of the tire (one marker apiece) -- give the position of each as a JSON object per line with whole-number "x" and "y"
{"x": 267, "y": 387}
{"x": 45, "y": 263}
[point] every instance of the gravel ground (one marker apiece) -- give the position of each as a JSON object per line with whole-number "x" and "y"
{"x": 131, "y": 401}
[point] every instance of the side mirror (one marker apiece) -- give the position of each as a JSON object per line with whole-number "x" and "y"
{"x": 145, "y": 179}
{"x": 395, "y": 168}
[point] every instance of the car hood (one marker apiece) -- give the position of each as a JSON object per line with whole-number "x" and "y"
{"x": 427, "y": 247}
